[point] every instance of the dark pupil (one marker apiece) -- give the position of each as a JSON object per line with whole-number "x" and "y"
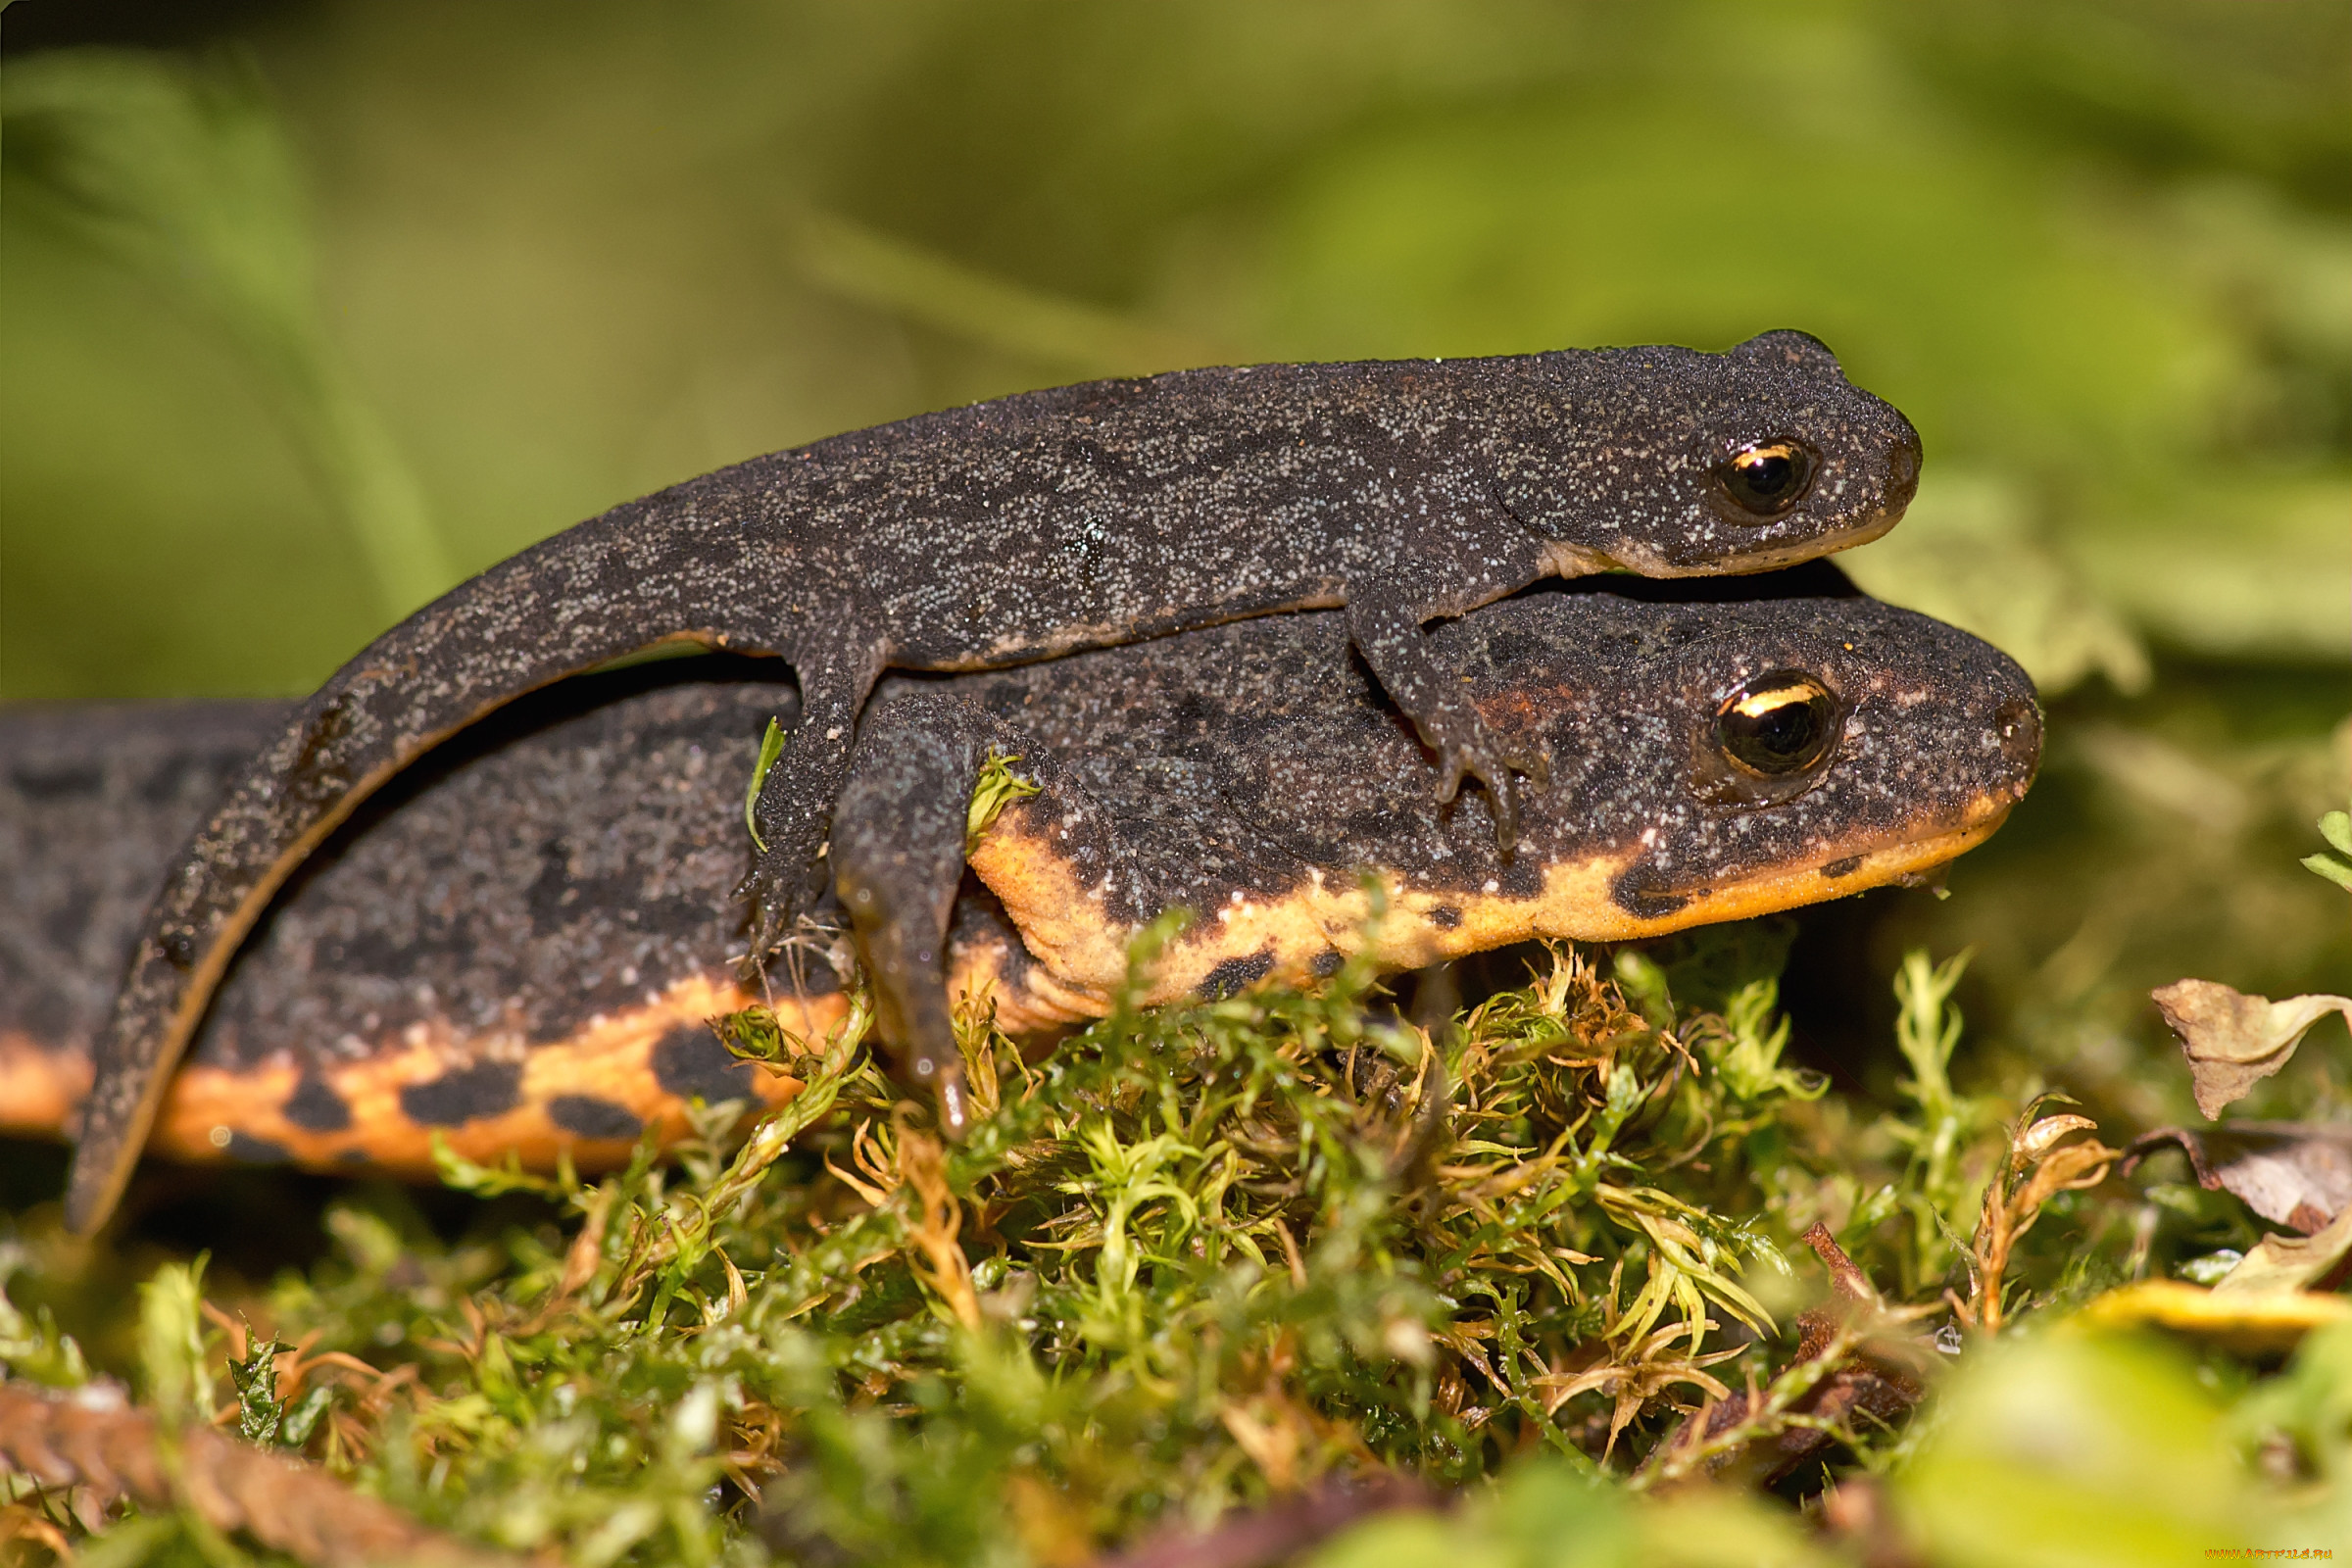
{"x": 1768, "y": 475}
{"x": 1768, "y": 479}
{"x": 1776, "y": 724}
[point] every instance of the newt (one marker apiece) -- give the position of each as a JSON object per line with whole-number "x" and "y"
{"x": 517, "y": 945}
{"x": 1034, "y": 525}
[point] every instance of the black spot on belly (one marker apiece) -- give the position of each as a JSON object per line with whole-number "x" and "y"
{"x": 589, "y": 1116}
{"x": 57, "y": 783}
{"x": 1845, "y": 867}
{"x": 551, "y": 892}
{"x": 1641, "y": 892}
{"x": 466, "y": 1094}
{"x": 1323, "y": 965}
{"x": 1444, "y": 916}
{"x": 315, "y": 1107}
{"x": 1521, "y": 879}
{"x": 689, "y": 1061}
{"x": 1232, "y": 974}
{"x": 248, "y": 1149}
{"x": 352, "y": 1156}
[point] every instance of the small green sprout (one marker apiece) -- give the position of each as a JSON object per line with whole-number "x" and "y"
{"x": 2337, "y": 828}
{"x": 771, "y": 747}
{"x": 751, "y": 1034}
{"x": 260, "y": 1414}
{"x": 998, "y": 786}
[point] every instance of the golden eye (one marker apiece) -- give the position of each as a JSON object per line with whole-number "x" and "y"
{"x": 1783, "y": 721}
{"x": 1767, "y": 478}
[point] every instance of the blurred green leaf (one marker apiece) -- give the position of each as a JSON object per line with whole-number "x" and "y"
{"x": 182, "y": 172}
{"x": 172, "y": 1356}
{"x": 2337, "y": 828}
{"x": 2078, "y": 1450}
{"x": 1968, "y": 553}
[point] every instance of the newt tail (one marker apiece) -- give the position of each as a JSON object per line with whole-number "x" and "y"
{"x": 514, "y": 949}
{"x": 626, "y": 581}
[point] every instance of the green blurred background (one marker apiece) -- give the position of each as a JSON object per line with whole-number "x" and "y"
{"x": 309, "y": 309}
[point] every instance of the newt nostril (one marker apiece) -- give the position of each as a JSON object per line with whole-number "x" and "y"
{"x": 2017, "y": 723}
{"x": 1903, "y": 457}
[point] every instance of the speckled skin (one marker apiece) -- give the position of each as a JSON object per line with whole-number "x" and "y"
{"x": 514, "y": 947}
{"x": 1027, "y": 528}
{"x": 1212, "y": 776}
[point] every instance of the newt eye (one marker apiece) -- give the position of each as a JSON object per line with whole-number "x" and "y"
{"x": 1767, "y": 478}
{"x": 1779, "y": 723}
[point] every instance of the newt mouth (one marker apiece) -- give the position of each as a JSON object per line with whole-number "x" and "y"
{"x": 1649, "y": 564}
{"x": 1659, "y": 907}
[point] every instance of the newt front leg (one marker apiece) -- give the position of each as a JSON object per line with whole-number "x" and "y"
{"x": 1386, "y": 627}
{"x": 837, "y": 669}
{"x": 898, "y": 858}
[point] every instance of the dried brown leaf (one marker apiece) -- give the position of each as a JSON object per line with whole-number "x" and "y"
{"x": 2296, "y": 1173}
{"x": 2291, "y": 1262}
{"x": 2234, "y": 1041}
{"x": 2038, "y": 1137}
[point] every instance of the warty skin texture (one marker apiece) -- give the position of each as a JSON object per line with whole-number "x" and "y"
{"x": 1021, "y": 529}
{"x": 516, "y": 947}
{"x": 1227, "y": 773}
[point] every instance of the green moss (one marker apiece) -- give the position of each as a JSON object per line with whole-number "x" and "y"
{"x": 1191, "y": 1259}
{"x": 998, "y": 786}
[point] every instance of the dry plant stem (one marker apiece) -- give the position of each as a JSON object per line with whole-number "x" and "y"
{"x": 1845, "y": 1275}
{"x": 649, "y": 1249}
{"x": 943, "y": 1267}
{"x": 116, "y": 1452}
{"x": 1775, "y": 1412}
{"x": 2040, "y": 1165}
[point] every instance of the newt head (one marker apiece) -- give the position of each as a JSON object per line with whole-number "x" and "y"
{"x": 1716, "y": 761}
{"x": 1710, "y": 761}
{"x": 1699, "y": 465}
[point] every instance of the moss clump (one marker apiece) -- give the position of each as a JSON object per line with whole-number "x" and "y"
{"x": 1192, "y": 1259}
